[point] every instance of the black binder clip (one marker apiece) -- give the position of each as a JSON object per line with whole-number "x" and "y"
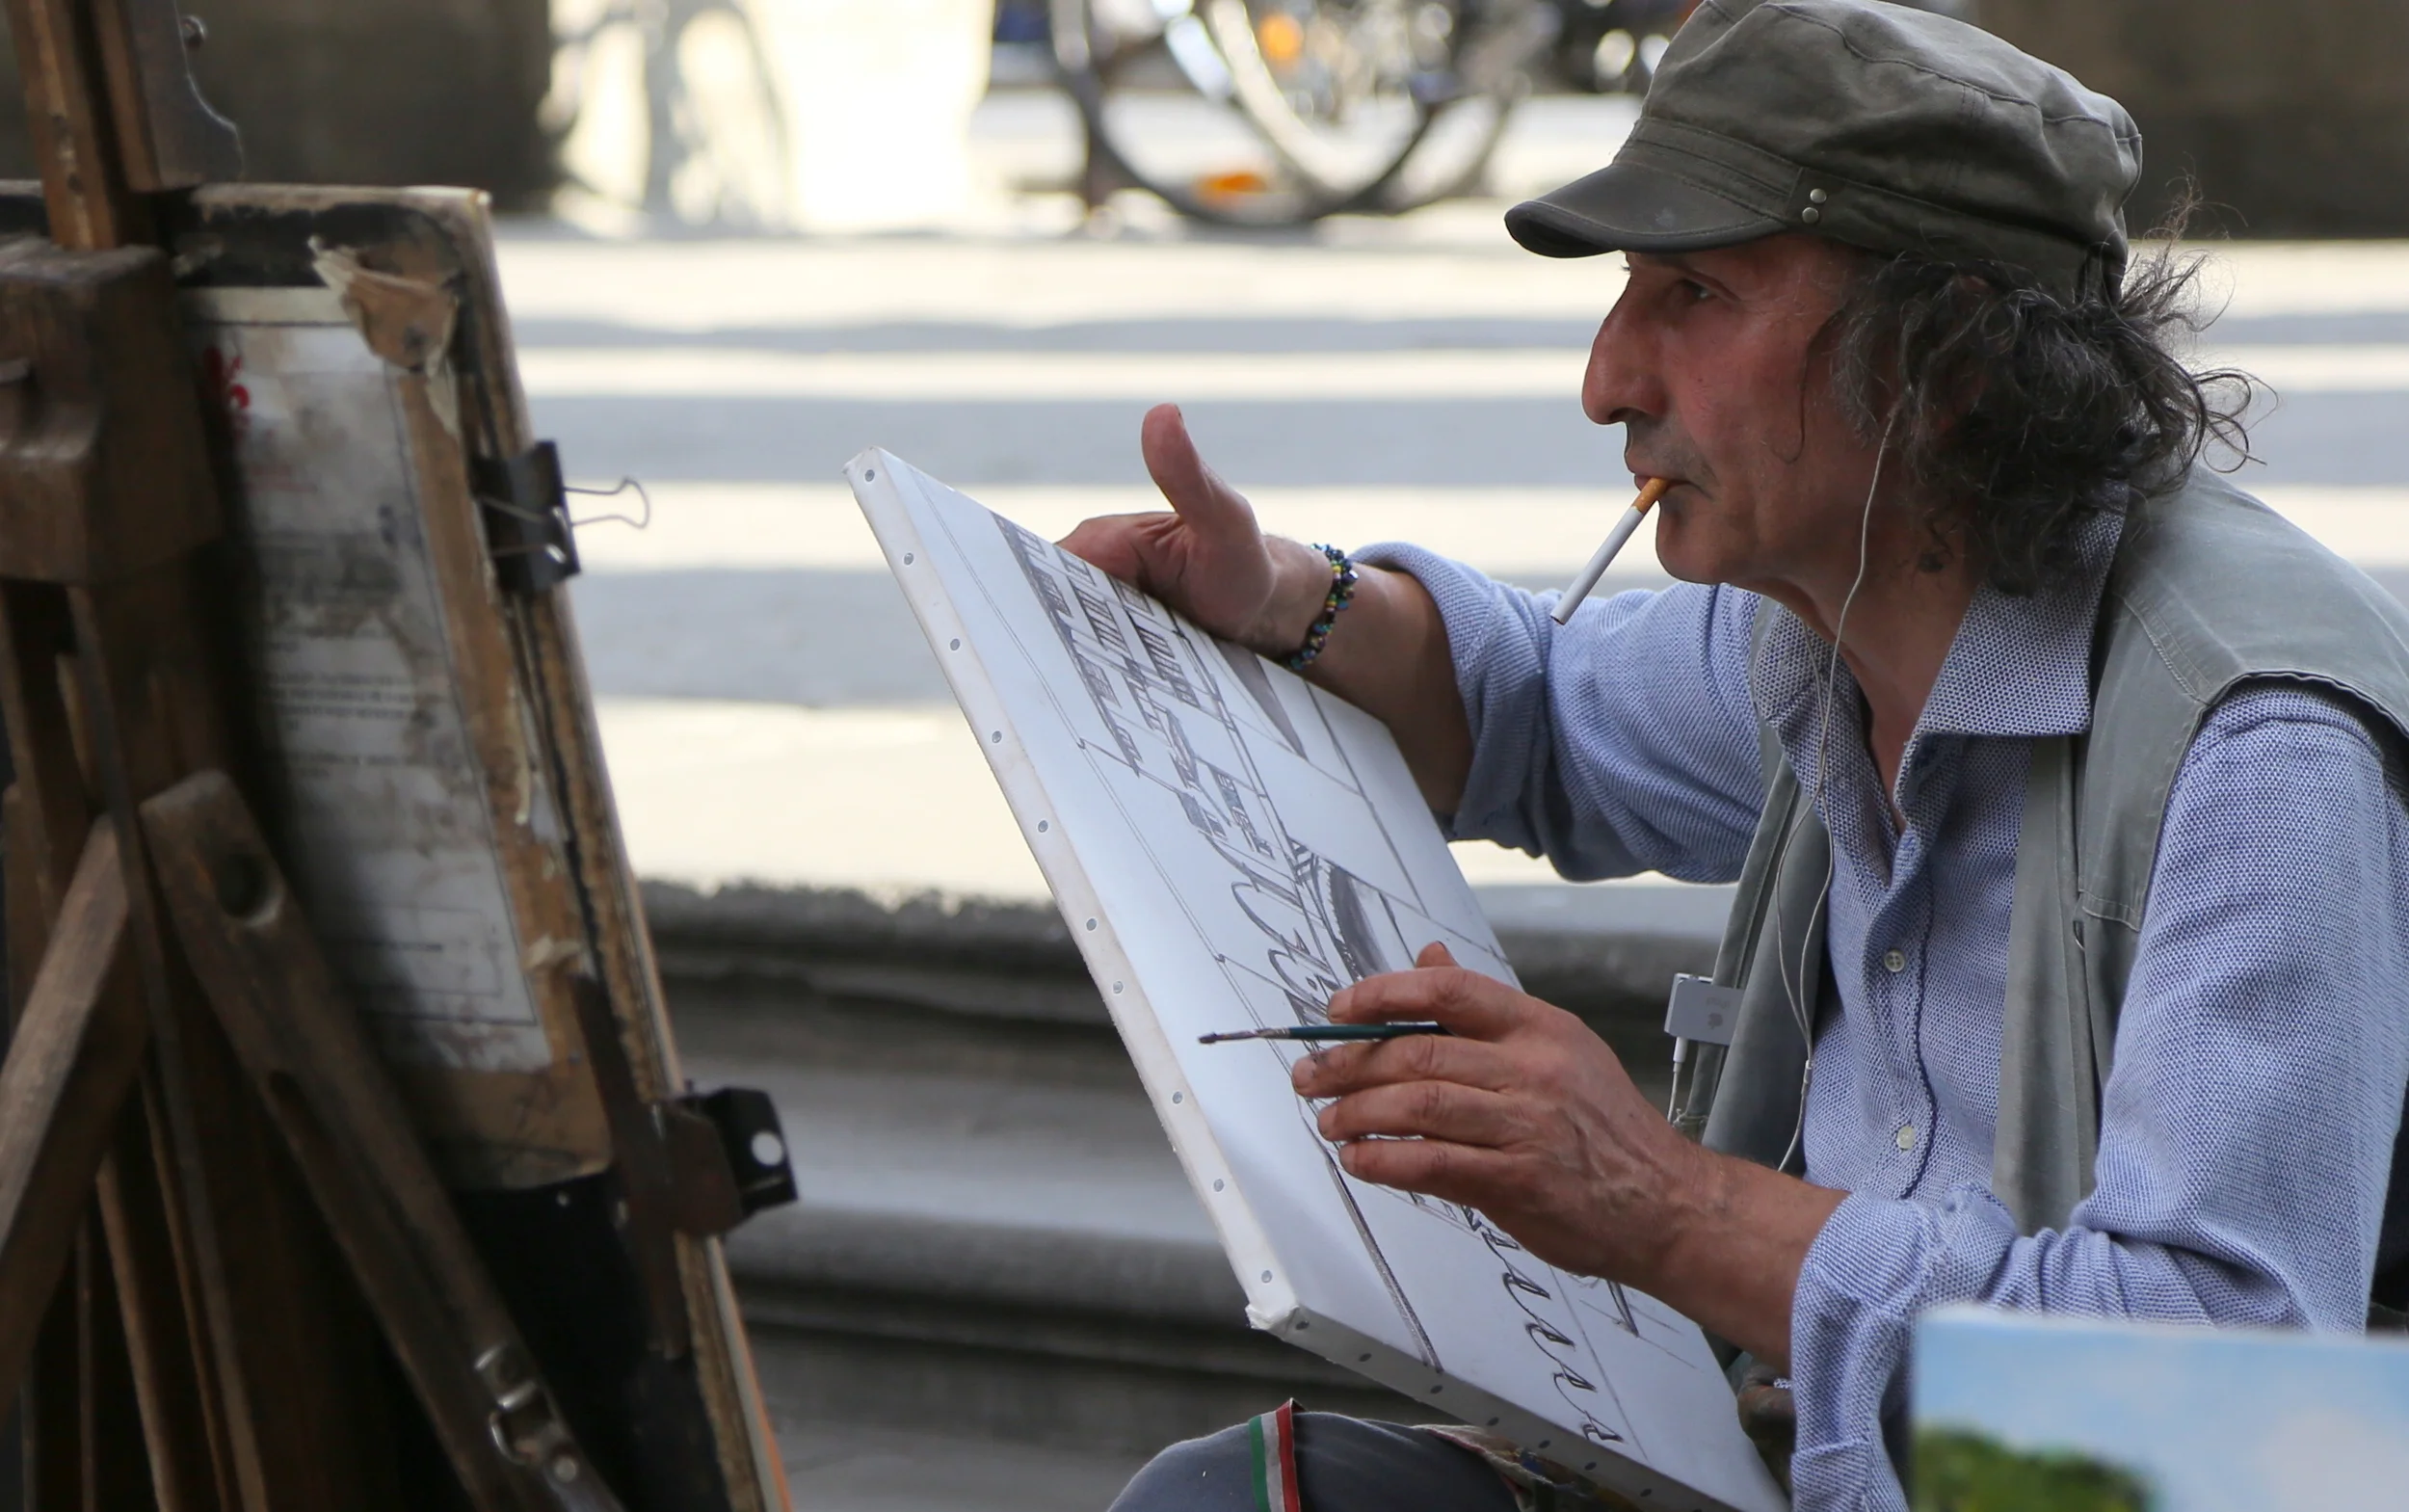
{"x": 526, "y": 519}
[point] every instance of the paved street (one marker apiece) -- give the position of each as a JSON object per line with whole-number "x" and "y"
{"x": 770, "y": 711}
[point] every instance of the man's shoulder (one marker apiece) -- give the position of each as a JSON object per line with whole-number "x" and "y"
{"x": 2209, "y": 523}
{"x": 2224, "y": 590}
{"x": 2214, "y": 595}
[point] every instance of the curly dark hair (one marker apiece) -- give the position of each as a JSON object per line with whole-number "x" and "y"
{"x": 2021, "y": 414}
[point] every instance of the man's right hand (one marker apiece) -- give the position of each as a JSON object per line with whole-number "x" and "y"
{"x": 1207, "y": 557}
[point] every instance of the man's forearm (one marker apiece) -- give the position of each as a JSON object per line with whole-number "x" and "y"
{"x": 1388, "y": 655}
{"x": 1736, "y": 1237}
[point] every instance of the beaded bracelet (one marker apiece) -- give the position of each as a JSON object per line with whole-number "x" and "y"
{"x": 1334, "y": 603}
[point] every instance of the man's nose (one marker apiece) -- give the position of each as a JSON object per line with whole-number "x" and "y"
{"x": 1620, "y": 382}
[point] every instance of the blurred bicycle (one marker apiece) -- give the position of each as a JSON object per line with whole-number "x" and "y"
{"x": 1611, "y": 46}
{"x": 1278, "y": 112}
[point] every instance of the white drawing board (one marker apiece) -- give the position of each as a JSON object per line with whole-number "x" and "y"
{"x": 1230, "y": 846}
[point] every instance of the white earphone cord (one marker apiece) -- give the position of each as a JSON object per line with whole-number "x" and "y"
{"x": 1794, "y": 989}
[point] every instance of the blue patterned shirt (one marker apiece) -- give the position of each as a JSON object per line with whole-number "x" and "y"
{"x": 2249, "y": 1119}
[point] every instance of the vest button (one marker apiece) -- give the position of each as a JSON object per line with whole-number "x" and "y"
{"x": 1894, "y": 960}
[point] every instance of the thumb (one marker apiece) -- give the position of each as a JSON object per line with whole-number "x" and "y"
{"x": 1434, "y": 954}
{"x": 1218, "y": 513}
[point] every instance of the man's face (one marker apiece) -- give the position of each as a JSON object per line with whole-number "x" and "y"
{"x": 1710, "y": 361}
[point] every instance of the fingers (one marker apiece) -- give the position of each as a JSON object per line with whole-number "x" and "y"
{"x": 1435, "y": 954}
{"x": 1466, "y": 1003}
{"x": 1341, "y": 1069}
{"x": 1424, "y": 1110}
{"x": 1449, "y": 1172}
{"x": 1118, "y": 544}
{"x": 1218, "y": 513}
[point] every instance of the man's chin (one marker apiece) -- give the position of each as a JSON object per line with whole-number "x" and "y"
{"x": 1688, "y": 565}
{"x": 1689, "y": 554}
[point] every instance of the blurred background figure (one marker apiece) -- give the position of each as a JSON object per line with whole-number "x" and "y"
{"x": 666, "y": 108}
{"x": 775, "y": 115}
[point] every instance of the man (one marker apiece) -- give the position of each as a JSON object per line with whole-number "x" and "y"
{"x": 2074, "y": 926}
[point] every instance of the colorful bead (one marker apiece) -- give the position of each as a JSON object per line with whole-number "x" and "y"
{"x": 1342, "y": 593}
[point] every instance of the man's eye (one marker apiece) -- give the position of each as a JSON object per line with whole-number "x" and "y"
{"x": 1696, "y": 290}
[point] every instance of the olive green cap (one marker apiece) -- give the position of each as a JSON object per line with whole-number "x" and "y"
{"x": 1885, "y": 127}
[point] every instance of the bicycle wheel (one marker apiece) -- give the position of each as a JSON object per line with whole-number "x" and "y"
{"x": 1275, "y": 111}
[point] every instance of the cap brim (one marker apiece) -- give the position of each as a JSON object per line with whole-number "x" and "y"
{"x": 1629, "y": 207}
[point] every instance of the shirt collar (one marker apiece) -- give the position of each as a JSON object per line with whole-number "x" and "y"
{"x": 2019, "y": 666}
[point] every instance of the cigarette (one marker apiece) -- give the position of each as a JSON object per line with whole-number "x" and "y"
{"x": 1613, "y": 548}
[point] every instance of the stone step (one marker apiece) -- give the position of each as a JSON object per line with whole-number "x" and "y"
{"x": 993, "y": 1245}
{"x": 835, "y": 1467}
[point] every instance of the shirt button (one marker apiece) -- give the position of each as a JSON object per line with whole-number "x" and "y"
{"x": 1894, "y": 960}
{"x": 1906, "y": 1137}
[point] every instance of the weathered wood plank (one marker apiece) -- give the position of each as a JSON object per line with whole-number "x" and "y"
{"x": 73, "y": 1057}
{"x": 159, "y": 1306}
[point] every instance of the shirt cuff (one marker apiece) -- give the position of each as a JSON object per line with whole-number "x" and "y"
{"x": 1873, "y": 1270}
{"x": 1851, "y": 1477}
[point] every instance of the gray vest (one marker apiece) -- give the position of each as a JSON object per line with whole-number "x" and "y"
{"x": 2209, "y": 589}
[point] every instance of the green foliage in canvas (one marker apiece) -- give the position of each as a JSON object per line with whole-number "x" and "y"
{"x": 1955, "y": 1471}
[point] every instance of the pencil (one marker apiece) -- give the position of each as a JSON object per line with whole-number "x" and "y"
{"x": 1325, "y": 1033}
{"x": 1616, "y": 539}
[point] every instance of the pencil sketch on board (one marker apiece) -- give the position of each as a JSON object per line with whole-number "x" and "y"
{"x": 1231, "y": 845}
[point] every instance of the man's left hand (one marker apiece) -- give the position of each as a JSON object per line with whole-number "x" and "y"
{"x": 1525, "y": 1113}
{"x": 1520, "y": 1111}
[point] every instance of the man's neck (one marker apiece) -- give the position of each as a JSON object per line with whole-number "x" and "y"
{"x": 1899, "y": 627}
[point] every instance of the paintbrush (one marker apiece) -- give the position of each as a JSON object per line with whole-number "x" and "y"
{"x": 1325, "y": 1033}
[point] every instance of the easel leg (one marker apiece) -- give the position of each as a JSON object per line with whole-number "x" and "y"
{"x": 72, "y": 1058}
{"x": 52, "y": 1404}
{"x": 117, "y": 1465}
{"x": 279, "y": 1325}
{"x": 48, "y": 811}
{"x": 181, "y": 1427}
{"x": 344, "y": 1126}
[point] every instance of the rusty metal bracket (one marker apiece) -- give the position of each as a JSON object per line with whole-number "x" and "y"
{"x": 674, "y": 1172}
{"x": 751, "y": 1143}
{"x": 170, "y": 137}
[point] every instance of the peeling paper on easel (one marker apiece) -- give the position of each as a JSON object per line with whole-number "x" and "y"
{"x": 387, "y": 823}
{"x": 408, "y": 322}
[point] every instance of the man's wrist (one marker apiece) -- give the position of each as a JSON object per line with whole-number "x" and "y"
{"x": 1299, "y": 583}
{"x": 1693, "y": 1199}
{"x": 1730, "y": 1240}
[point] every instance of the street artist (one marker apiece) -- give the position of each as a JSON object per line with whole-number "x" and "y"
{"x": 2073, "y": 927}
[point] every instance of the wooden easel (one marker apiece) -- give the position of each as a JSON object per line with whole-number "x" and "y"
{"x": 216, "y": 1216}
